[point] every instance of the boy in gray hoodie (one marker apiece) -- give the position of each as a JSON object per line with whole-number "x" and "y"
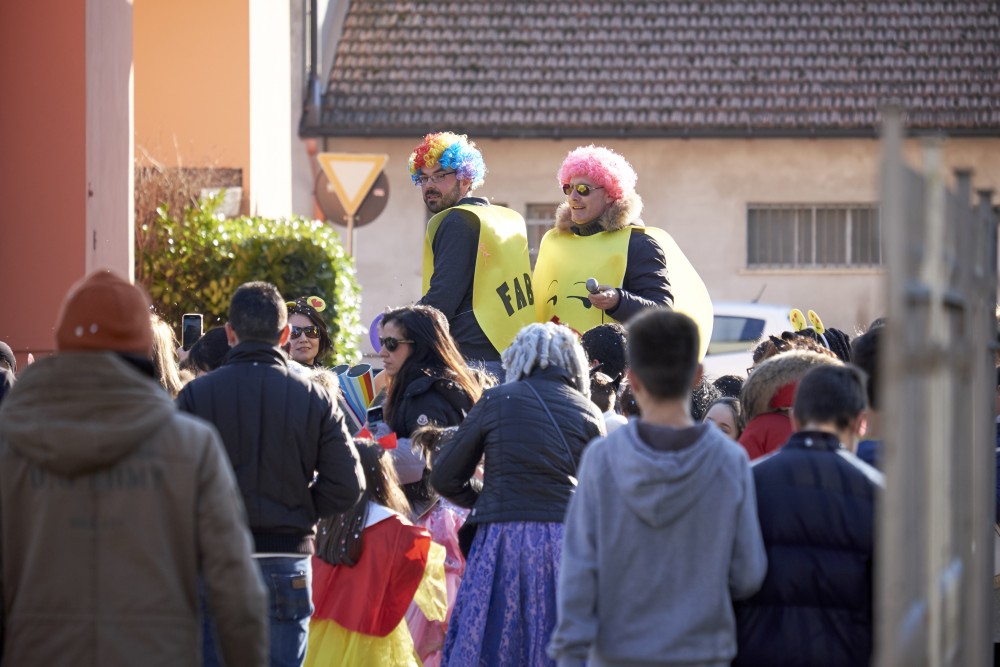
{"x": 662, "y": 532}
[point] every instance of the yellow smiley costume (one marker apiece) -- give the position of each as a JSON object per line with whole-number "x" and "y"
{"x": 566, "y": 260}
{"x": 502, "y": 297}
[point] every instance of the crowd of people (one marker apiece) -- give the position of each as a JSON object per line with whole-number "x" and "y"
{"x": 564, "y": 486}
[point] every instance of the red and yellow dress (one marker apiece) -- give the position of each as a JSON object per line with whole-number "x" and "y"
{"x": 360, "y": 611}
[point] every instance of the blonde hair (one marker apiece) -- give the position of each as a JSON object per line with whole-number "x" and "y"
{"x": 544, "y": 345}
{"x": 163, "y": 357}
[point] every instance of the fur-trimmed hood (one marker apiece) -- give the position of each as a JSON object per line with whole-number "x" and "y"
{"x": 776, "y": 372}
{"x": 620, "y": 214}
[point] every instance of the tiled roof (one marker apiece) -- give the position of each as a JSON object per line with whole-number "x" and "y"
{"x": 579, "y": 68}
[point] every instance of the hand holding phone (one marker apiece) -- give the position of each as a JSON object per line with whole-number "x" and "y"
{"x": 374, "y": 417}
{"x": 191, "y": 329}
{"x": 376, "y": 424}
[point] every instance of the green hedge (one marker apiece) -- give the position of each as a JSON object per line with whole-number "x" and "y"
{"x": 194, "y": 264}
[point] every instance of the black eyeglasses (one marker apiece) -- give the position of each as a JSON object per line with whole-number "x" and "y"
{"x": 311, "y": 331}
{"x": 434, "y": 178}
{"x": 582, "y": 188}
{"x": 391, "y": 343}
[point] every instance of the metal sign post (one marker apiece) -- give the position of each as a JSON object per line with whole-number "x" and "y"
{"x": 351, "y": 175}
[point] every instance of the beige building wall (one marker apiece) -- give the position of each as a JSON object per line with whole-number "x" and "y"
{"x": 192, "y": 83}
{"x": 697, "y": 190}
{"x": 219, "y": 84}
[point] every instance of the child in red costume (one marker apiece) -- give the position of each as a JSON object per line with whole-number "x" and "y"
{"x": 371, "y": 566}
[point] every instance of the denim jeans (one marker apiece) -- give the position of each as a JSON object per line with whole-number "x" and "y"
{"x": 288, "y": 581}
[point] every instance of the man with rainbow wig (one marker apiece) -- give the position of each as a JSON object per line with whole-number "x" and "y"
{"x": 476, "y": 268}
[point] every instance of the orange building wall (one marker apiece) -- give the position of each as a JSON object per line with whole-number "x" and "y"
{"x": 192, "y": 82}
{"x": 42, "y": 166}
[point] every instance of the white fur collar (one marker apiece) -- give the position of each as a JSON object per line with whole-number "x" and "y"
{"x": 620, "y": 214}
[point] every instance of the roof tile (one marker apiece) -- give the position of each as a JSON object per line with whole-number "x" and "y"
{"x": 593, "y": 67}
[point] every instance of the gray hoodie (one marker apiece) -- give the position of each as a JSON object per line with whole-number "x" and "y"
{"x": 657, "y": 545}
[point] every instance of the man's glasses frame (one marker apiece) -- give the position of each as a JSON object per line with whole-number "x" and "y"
{"x": 392, "y": 344}
{"x": 424, "y": 179}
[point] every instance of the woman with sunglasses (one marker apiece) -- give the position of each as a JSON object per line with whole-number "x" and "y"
{"x": 429, "y": 381}
{"x": 429, "y": 384}
{"x": 309, "y": 341}
{"x": 532, "y": 431}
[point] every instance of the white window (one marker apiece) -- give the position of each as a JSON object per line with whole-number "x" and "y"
{"x": 813, "y": 236}
{"x": 539, "y": 219}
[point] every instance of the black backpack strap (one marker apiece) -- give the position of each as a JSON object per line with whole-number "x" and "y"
{"x": 562, "y": 437}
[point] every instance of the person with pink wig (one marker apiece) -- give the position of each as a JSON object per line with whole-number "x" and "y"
{"x": 598, "y": 234}
{"x": 476, "y": 268}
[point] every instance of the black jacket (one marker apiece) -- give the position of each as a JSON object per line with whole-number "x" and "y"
{"x": 816, "y": 503}
{"x": 529, "y": 475}
{"x": 429, "y": 399}
{"x": 646, "y": 283}
{"x": 279, "y": 428}
{"x": 456, "y": 245}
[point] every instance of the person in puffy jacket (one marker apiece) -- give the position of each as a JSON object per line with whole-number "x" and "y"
{"x": 294, "y": 460}
{"x": 816, "y": 504}
{"x": 532, "y": 431}
{"x": 429, "y": 385}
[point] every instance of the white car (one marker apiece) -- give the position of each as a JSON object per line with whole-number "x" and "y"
{"x": 737, "y": 328}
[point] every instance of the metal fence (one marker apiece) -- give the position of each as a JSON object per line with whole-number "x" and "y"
{"x": 934, "y": 568}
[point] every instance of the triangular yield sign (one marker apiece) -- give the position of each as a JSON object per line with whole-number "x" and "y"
{"x": 351, "y": 175}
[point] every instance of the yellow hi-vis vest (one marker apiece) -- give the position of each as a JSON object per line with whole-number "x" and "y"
{"x": 566, "y": 261}
{"x": 502, "y": 300}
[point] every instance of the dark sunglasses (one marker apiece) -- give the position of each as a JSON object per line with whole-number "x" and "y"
{"x": 582, "y": 188}
{"x": 311, "y": 331}
{"x": 391, "y": 343}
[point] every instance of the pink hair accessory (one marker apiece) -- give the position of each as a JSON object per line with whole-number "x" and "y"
{"x": 601, "y": 165}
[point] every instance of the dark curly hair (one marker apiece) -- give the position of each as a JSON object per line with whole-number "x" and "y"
{"x": 607, "y": 344}
{"x": 703, "y": 396}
